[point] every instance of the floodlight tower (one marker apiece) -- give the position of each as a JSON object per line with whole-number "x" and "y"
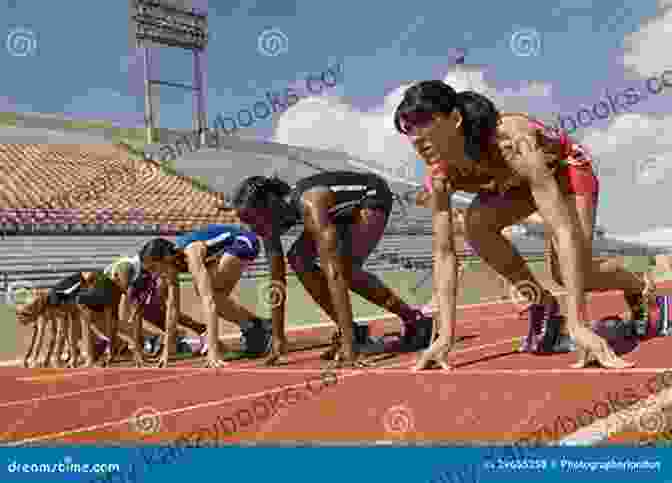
{"x": 164, "y": 24}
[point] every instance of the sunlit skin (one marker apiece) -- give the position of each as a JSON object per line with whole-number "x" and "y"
{"x": 329, "y": 287}
{"x": 132, "y": 316}
{"x": 66, "y": 323}
{"x": 334, "y": 271}
{"x": 423, "y": 199}
{"x": 110, "y": 323}
{"x": 214, "y": 279}
{"x": 261, "y": 221}
{"x": 568, "y": 217}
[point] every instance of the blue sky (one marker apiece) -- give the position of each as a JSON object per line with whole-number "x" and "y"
{"x": 83, "y": 65}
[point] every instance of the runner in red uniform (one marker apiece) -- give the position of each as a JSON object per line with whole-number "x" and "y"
{"x": 516, "y": 166}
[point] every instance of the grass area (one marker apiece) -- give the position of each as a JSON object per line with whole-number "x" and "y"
{"x": 301, "y": 309}
{"x": 8, "y": 330}
{"x": 8, "y": 118}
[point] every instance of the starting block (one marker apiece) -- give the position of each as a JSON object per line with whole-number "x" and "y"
{"x": 419, "y": 335}
{"x": 256, "y": 337}
{"x": 360, "y": 333}
{"x": 547, "y": 339}
{"x": 415, "y": 337}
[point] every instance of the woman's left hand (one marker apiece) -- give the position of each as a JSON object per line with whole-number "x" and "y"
{"x": 593, "y": 348}
{"x": 436, "y": 353}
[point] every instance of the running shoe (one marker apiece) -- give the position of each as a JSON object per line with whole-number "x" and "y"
{"x": 152, "y": 344}
{"x": 544, "y": 327}
{"x": 416, "y": 333}
{"x": 100, "y": 347}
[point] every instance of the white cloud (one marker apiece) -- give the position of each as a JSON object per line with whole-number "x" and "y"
{"x": 328, "y": 122}
{"x": 661, "y": 237}
{"x": 645, "y": 48}
{"x": 635, "y": 165}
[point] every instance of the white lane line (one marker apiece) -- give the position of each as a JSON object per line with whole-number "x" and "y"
{"x": 218, "y": 402}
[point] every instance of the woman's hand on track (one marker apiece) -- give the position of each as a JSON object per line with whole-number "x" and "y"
{"x": 593, "y": 348}
{"x": 436, "y": 353}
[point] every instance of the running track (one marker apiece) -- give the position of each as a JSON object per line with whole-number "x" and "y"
{"x": 494, "y": 395}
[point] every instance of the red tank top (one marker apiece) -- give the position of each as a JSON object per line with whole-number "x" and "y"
{"x": 570, "y": 152}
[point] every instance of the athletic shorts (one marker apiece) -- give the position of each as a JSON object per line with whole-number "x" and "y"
{"x": 96, "y": 298}
{"x": 146, "y": 292}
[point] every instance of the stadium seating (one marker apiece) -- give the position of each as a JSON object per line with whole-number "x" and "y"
{"x": 66, "y": 208}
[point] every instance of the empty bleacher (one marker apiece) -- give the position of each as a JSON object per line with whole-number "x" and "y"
{"x": 67, "y": 208}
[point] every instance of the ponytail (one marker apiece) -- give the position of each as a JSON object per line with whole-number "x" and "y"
{"x": 480, "y": 119}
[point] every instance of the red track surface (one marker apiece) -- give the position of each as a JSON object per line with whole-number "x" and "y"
{"x": 494, "y": 395}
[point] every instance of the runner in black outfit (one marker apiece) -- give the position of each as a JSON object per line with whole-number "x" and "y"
{"x": 344, "y": 215}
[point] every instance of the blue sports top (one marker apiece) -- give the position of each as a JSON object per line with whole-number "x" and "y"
{"x": 216, "y": 237}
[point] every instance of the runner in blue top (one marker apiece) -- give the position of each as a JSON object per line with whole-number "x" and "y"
{"x": 216, "y": 257}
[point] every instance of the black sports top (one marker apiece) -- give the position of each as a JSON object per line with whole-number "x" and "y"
{"x": 353, "y": 190}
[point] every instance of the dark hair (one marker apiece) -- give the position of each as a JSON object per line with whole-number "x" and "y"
{"x": 253, "y": 192}
{"x": 479, "y": 114}
{"x": 157, "y": 247}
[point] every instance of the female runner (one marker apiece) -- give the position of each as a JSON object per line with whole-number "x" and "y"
{"x": 344, "y": 215}
{"x": 517, "y": 166}
{"x": 144, "y": 298}
{"x": 216, "y": 258}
